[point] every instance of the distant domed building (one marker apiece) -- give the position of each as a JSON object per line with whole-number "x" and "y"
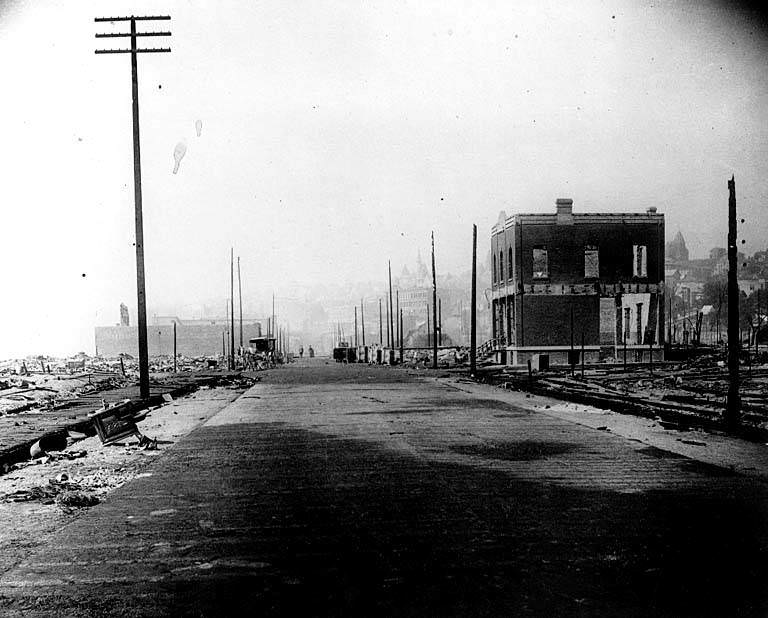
{"x": 675, "y": 250}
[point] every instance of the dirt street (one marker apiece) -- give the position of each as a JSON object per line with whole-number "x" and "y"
{"x": 350, "y": 490}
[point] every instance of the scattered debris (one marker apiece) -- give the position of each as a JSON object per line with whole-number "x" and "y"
{"x": 64, "y": 493}
{"x": 49, "y": 442}
{"x": 77, "y": 499}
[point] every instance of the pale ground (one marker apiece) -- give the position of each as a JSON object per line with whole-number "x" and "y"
{"x": 745, "y": 457}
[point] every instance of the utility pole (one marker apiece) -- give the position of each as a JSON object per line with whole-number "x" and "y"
{"x": 429, "y": 329}
{"x": 175, "y": 368}
{"x": 391, "y": 315}
{"x": 273, "y": 312}
{"x": 401, "y": 336}
{"x": 572, "y": 359}
{"x": 381, "y": 330}
{"x": 434, "y": 306}
{"x": 140, "y": 277}
{"x": 232, "y": 309}
{"x": 440, "y": 321}
{"x": 389, "y": 341}
{"x": 355, "y": 326}
{"x": 362, "y": 319}
{"x": 473, "y": 309}
{"x": 240, "y": 296}
{"x": 397, "y": 317}
{"x": 733, "y": 404}
{"x": 757, "y": 330}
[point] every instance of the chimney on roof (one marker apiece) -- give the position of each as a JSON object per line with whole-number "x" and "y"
{"x": 651, "y": 210}
{"x": 564, "y": 211}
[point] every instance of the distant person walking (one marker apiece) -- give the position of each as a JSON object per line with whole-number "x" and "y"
{"x": 301, "y": 352}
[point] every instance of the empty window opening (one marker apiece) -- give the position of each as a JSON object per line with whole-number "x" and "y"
{"x": 540, "y": 263}
{"x": 640, "y": 266}
{"x": 591, "y": 262}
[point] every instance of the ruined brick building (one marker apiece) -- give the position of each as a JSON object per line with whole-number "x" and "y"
{"x": 562, "y": 278}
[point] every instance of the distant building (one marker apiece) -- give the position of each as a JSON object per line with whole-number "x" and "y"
{"x": 676, "y": 251}
{"x": 562, "y": 278}
{"x": 193, "y": 337}
{"x": 415, "y": 290}
{"x": 750, "y": 286}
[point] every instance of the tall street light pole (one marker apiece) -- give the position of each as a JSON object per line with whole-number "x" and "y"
{"x": 140, "y": 279}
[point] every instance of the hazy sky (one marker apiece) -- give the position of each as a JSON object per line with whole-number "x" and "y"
{"x": 337, "y": 134}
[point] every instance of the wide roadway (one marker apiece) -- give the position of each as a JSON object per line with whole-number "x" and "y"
{"x": 332, "y": 489}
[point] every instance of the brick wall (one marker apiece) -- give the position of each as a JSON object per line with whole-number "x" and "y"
{"x": 197, "y": 340}
{"x": 546, "y": 320}
{"x": 565, "y": 247}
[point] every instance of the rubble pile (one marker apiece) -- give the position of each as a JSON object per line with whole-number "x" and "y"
{"x": 41, "y": 382}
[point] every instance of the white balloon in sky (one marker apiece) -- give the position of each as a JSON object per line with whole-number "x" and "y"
{"x": 178, "y": 155}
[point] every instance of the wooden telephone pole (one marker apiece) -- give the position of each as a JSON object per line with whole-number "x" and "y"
{"x": 434, "y": 306}
{"x": 397, "y": 319}
{"x": 175, "y": 355}
{"x": 391, "y": 310}
{"x": 473, "y": 309}
{"x": 240, "y": 297}
{"x": 362, "y": 319}
{"x": 232, "y": 309}
{"x": 401, "y": 336}
{"x": 140, "y": 278}
{"x": 733, "y": 405}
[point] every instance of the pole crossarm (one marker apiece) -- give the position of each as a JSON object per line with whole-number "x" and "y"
{"x": 134, "y": 49}
{"x": 151, "y": 50}
{"x": 132, "y": 17}
{"x": 109, "y": 35}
